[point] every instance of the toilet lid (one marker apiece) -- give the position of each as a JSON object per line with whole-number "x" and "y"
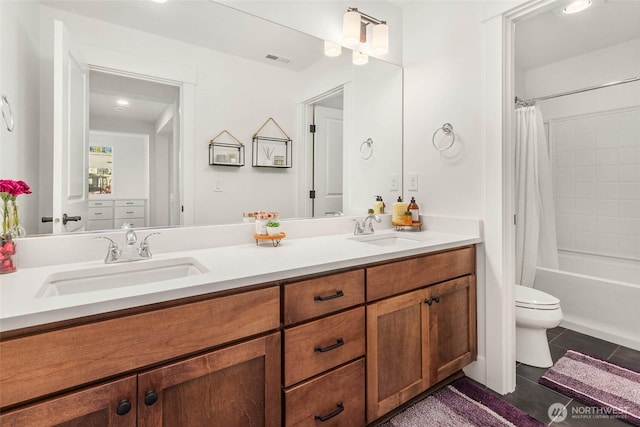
{"x": 533, "y": 298}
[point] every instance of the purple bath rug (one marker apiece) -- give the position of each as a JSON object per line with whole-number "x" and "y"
{"x": 605, "y": 385}
{"x": 462, "y": 403}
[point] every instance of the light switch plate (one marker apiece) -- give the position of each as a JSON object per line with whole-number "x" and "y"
{"x": 393, "y": 182}
{"x": 219, "y": 185}
{"x": 413, "y": 181}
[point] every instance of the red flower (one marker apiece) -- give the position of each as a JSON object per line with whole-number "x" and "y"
{"x": 14, "y": 188}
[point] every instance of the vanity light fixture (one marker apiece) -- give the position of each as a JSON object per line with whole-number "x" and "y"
{"x": 354, "y": 31}
{"x": 576, "y": 6}
{"x": 359, "y": 58}
{"x": 332, "y": 49}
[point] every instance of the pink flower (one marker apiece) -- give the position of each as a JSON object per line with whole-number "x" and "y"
{"x": 14, "y": 188}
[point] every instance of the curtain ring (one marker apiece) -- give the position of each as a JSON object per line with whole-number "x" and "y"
{"x": 8, "y": 121}
{"x": 366, "y": 155}
{"x": 447, "y": 129}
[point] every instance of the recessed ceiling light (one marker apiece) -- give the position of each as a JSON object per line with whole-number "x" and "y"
{"x": 576, "y": 6}
{"x": 122, "y": 102}
{"x": 159, "y": 1}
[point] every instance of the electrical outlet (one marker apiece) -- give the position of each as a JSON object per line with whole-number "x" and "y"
{"x": 393, "y": 182}
{"x": 219, "y": 185}
{"x": 413, "y": 181}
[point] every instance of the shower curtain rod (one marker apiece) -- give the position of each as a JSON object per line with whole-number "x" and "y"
{"x": 532, "y": 101}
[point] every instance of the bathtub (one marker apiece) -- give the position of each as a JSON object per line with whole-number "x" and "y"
{"x": 599, "y": 295}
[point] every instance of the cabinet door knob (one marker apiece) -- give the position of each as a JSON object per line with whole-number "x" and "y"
{"x": 436, "y": 299}
{"x": 329, "y": 297}
{"x": 124, "y": 406}
{"x": 428, "y": 301}
{"x": 150, "y": 398}
{"x": 324, "y": 418}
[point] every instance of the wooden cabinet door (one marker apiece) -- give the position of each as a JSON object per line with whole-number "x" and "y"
{"x": 111, "y": 404}
{"x": 452, "y": 321}
{"x": 234, "y": 386}
{"x": 397, "y": 352}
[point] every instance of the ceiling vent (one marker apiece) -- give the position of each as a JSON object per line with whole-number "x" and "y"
{"x": 278, "y": 58}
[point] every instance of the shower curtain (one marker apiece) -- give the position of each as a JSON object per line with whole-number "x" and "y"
{"x": 536, "y": 242}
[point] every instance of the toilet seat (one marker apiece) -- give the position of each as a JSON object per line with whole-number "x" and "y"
{"x": 534, "y": 299}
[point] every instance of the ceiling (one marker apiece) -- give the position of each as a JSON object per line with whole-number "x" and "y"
{"x": 207, "y": 24}
{"x": 147, "y": 100}
{"x": 552, "y": 36}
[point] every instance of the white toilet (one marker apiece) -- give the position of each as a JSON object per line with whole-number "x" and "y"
{"x": 536, "y": 311}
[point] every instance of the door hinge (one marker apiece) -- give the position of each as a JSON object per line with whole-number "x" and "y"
{"x": 312, "y": 128}
{"x": 312, "y": 194}
{"x": 181, "y": 208}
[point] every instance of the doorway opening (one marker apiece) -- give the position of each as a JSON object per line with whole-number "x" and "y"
{"x": 325, "y": 153}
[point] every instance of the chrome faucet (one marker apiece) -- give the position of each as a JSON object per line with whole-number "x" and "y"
{"x": 114, "y": 253}
{"x": 366, "y": 225}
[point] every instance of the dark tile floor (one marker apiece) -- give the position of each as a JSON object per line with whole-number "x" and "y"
{"x": 535, "y": 399}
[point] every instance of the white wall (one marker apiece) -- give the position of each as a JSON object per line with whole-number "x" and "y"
{"x": 372, "y": 109}
{"x": 130, "y": 178}
{"x": 220, "y": 103}
{"x": 595, "y": 146}
{"x": 19, "y": 152}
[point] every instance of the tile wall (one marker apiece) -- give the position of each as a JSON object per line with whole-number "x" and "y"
{"x": 596, "y": 161}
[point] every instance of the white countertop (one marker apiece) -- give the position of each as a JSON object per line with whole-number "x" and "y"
{"x": 229, "y": 267}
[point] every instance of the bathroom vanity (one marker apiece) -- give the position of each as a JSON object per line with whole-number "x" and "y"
{"x": 290, "y": 349}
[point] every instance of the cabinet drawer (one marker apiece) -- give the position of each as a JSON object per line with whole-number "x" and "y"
{"x": 337, "y": 397}
{"x": 316, "y": 297}
{"x": 129, "y": 203}
{"x": 37, "y": 365}
{"x": 100, "y": 203}
{"x": 129, "y": 211}
{"x": 314, "y": 347}
{"x": 100, "y": 213}
{"x": 401, "y": 276}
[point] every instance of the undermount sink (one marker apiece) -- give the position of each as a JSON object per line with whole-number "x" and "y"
{"x": 388, "y": 240}
{"x": 118, "y": 276}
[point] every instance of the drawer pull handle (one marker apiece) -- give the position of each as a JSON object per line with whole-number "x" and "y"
{"x": 129, "y": 212}
{"x": 124, "y": 406}
{"x": 330, "y": 297}
{"x": 324, "y": 418}
{"x": 339, "y": 343}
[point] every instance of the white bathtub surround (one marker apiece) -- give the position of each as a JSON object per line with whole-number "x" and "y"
{"x": 599, "y": 295}
{"x": 535, "y": 213}
{"x": 228, "y": 253}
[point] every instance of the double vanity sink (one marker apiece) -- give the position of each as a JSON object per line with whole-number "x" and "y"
{"x": 45, "y": 294}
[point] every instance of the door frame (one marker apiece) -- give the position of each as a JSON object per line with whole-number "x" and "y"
{"x": 185, "y": 78}
{"x": 309, "y": 145}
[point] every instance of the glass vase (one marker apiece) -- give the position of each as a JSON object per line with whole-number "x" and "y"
{"x": 7, "y": 251}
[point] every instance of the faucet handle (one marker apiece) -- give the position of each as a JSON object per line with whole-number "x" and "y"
{"x": 113, "y": 252}
{"x": 144, "y": 250}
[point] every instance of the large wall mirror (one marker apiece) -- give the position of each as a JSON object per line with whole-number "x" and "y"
{"x": 157, "y": 82}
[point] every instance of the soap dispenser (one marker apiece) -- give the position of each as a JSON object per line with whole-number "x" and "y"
{"x": 399, "y": 208}
{"x": 414, "y": 209}
{"x": 378, "y": 206}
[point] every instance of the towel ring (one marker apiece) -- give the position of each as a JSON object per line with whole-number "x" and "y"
{"x": 447, "y": 129}
{"x": 368, "y": 152}
{"x": 8, "y": 121}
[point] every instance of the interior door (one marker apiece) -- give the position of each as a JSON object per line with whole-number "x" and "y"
{"x": 328, "y": 160}
{"x": 70, "y": 134}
